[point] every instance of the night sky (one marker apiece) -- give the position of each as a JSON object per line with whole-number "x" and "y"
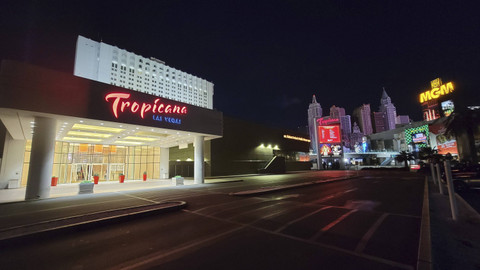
{"x": 267, "y": 58}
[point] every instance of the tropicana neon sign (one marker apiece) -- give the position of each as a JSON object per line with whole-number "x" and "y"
{"x": 121, "y": 102}
{"x": 436, "y": 92}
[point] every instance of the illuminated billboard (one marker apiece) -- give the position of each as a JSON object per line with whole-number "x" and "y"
{"x": 436, "y": 91}
{"x": 447, "y": 107}
{"x": 434, "y": 101}
{"x": 418, "y": 136}
{"x": 329, "y": 134}
{"x": 444, "y": 143}
{"x": 330, "y": 150}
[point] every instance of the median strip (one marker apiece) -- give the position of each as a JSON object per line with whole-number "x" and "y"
{"x": 97, "y": 218}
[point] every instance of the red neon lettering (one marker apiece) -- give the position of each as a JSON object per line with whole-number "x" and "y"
{"x": 145, "y": 108}
{"x": 124, "y": 104}
{"x": 155, "y": 105}
{"x": 135, "y": 107}
{"x": 142, "y": 108}
{"x": 160, "y": 108}
{"x": 117, "y": 97}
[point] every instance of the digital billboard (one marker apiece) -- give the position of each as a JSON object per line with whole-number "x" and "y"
{"x": 330, "y": 150}
{"x": 329, "y": 134}
{"x": 418, "y": 136}
{"x": 447, "y": 107}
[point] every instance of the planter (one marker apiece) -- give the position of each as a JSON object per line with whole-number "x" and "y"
{"x": 145, "y": 177}
{"x": 85, "y": 188}
{"x": 177, "y": 181}
{"x": 122, "y": 178}
{"x": 95, "y": 179}
{"x": 54, "y": 181}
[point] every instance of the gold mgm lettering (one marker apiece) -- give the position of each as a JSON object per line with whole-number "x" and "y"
{"x": 436, "y": 92}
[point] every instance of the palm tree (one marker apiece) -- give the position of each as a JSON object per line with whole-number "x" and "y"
{"x": 404, "y": 156}
{"x": 462, "y": 123}
{"x": 429, "y": 154}
{"x": 426, "y": 153}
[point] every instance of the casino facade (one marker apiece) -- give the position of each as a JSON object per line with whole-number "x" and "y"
{"x": 58, "y": 124}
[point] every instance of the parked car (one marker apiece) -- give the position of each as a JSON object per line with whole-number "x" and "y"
{"x": 464, "y": 176}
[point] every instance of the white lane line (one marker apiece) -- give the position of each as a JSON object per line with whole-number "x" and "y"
{"x": 333, "y": 196}
{"x": 256, "y": 209}
{"x": 301, "y": 218}
{"x": 156, "y": 257}
{"x": 333, "y": 223}
{"x": 140, "y": 198}
{"x": 218, "y": 211}
{"x": 274, "y": 214}
{"x": 363, "y": 243}
{"x": 257, "y": 200}
{"x": 338, "y": 249}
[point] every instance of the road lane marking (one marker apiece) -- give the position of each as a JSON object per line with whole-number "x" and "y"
{"x": 137, "y": 263}
{"x": 256, "y": 209}
{"x": 363, "y": 243}
{"x": 338, "y": 249}
{"x": 140, "y": 198}
{"x": 301, "y": 218}
{"x": 226, "y": 204}
{"x": 333, "y": 196}
{"x": 218, "y": 211}
{"x": 274, "y": 214}
{"x": 333, "y": 223}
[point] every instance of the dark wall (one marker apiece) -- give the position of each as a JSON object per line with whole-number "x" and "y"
{"x": 238, "y": 152}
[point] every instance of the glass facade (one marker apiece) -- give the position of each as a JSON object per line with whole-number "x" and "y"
{"x": 74, "y": 162}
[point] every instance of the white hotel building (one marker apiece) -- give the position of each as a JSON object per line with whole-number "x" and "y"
{"x": 105, "y": 63}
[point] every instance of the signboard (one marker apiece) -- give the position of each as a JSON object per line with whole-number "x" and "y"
{"x": 329, "y": 134}
{"x": 434, "y": 101}
{"x": 417, "y": 135}
{"x": 436, "y": 91}
{"x": 447, "y": 107}
{"x": 78, "y": 97}
{"x": 443, "y": 143}
{"x": 327, "y": 150}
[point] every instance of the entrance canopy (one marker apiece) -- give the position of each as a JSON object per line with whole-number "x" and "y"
{"x": 92, "y": 112}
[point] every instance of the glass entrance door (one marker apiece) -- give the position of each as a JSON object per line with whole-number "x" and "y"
{"x": 116, "y": 170}
{"x": 79, "y": 172}
{"x": 85, "y": 171}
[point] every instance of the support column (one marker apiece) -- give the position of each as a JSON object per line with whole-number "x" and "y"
{"x": 198, "y": 164}
{"x": 164, "y": 163}
{"x": 41, "y": 159}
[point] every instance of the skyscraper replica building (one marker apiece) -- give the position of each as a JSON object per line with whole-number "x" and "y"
{"x": 362, "y": 116}
{"x": 314, "y": 111}
{"x": 388, "y": 110}
{"x": 108, "y": 64}
{"x": 345, "y": 123}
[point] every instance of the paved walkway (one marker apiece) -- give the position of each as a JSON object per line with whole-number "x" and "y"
{"x": 455, "y": 244}
{"x": 65, "y": 190}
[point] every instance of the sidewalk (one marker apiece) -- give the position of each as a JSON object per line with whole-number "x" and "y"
{"x": 66, "y": 190}
{"x": 455, "y": 244}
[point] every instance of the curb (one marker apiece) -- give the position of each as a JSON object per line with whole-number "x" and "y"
{"x": 285, "y": 187}
{"x": 226, "y": 181}
{"x": 424, "y": 259}
{"x": 82, "y": 222}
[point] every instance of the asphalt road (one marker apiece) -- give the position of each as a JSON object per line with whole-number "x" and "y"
{"x": 369, "y": 222}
